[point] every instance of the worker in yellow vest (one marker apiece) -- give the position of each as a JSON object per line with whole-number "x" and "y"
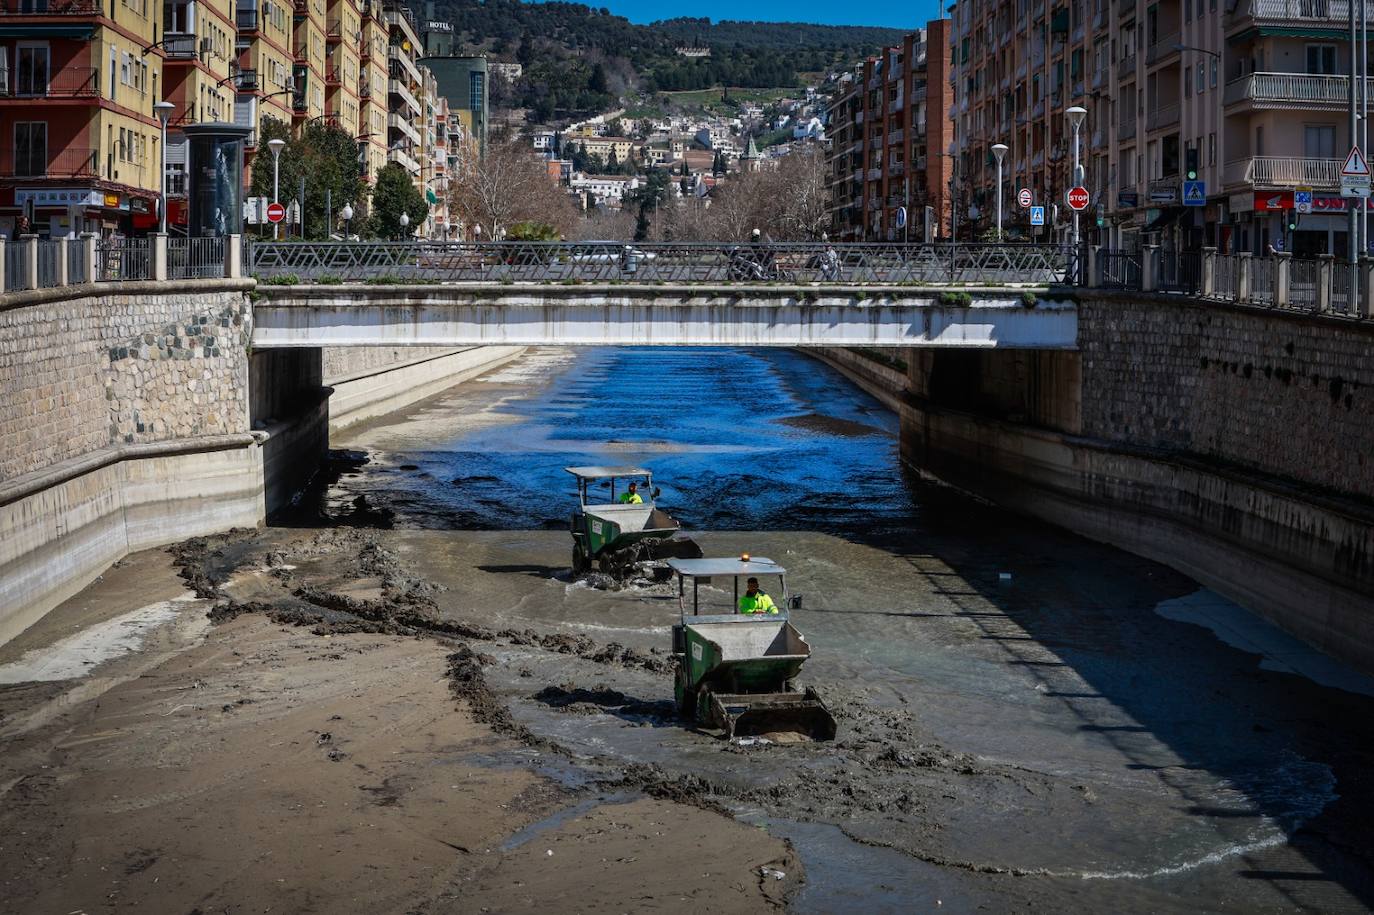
{"x": 755, "y": 601}
{"x": 631, "y": 496}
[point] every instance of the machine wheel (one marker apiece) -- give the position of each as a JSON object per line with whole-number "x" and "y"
{"x": 581, "y": 565}
{"x": 686, "y": 698}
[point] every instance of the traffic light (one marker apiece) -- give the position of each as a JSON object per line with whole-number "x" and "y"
{"x": 1190, "y": 166}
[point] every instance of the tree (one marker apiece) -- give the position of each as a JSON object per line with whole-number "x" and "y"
{"x": 597, "y": 81}
{"x": 326, "y": 156}
{"x": 510, "y": 185}
{"x": 395, "y": 194}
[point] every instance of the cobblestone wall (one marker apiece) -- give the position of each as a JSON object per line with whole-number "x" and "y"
{"x": 1292, "y": 397}
{"x": 80, "y": 374}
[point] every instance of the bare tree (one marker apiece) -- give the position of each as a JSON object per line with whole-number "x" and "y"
{"x": 509, "y": 185}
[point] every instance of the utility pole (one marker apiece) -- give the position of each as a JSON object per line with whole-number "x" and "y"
{"x": 1364, "y": 118}
{"x": 1352, "y": 235}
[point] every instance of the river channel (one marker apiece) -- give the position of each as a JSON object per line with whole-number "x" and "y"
{"x": 1027, "y": 719}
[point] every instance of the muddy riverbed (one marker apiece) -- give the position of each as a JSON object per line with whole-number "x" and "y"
{"x": 1027, "y": 721}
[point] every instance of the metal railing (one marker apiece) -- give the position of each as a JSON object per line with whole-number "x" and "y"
{"x": 69, "y": 82}
{"x": 16, "y": 266}
{"x": 1287, "y": 171}
{"x": 195, "y": 258}
{"x": 1302, "y": 283}
{"x": 123, "y": 259}
{"x": 1226, "y": 276}
{"x": 1118, "y": 269}
{"x": 48, "y": 264}
{"x": 693, "y": 263}
{"x": 78, "y": 265}
{"x": 1298, "y": 11}
{"x": 1289, "y": 89}
{"x": 50, "y": 8}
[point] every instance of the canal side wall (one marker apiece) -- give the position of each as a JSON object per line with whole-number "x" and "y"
{"x": 372, "y": 381}
{"x": 124, "y": 424}
{"x": 1235, "y": 445}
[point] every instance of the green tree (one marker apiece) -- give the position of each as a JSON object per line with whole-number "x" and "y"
{"x": 325, "y": 156}
{"x": 597, "y": 81}
{"x": 395, "y": 194}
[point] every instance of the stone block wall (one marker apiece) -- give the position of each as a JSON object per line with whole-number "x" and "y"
{"x": 1286, "y": 395}
{"x": 136, "y": 366}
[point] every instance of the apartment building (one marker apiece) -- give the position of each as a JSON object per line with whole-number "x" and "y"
{"x": 373, "y": 90}
{"x": 463, "y": 81}
{"x": 889, "y": 132}
{"x": 1249, "y": 95}
{"x": 79, "y": 142}
{"x": 265, "y": 63}
{"x": 405, "y": 88}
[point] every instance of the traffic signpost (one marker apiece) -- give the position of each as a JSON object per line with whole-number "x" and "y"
{"x": 1302, "y": 199}
{"x": 1037, "y": 216}
{"x": 1355, "y": 174}
{"x": 1024, "y": 198}
{"x": 1077, "y": 198}
{"x": 1194, "y": 193}
{"x": 275, "y": 212}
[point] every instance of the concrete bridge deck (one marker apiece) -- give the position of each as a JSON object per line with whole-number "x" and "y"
{"x": 663, "y": 315}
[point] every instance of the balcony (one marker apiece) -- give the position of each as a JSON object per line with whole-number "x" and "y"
{"x": 1099, "y": 18}
{"x": 333, "y": 33}
{"x": 180, "y": 45}
{"x": 40, "y": 8}
{"x": 71, "y": 162}
{"x": 72, "y": 82}
{"x": 896, "y": 136}
{"x": 332, "y": 76}
{"x": 246, "y": 18}
{"x": 398, "y": 89}
{"x": 1126, "y": 130}
{"x": 1162, "y": 117}
{"x": 246, "y": 80}
{"x": 1125, "y": 68}
{"x": 1289, "y": 90}
{"x": 402, "y": 158}
{"x": 402, "y": 124}
{"x": 1099, "y": 78}
{"x": 1283, "y": 172}
{"x": 1329, "y": 13}
{"x": 1163, "y": 50}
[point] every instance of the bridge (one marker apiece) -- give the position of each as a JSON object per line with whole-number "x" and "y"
{"x": 793, "y": 295}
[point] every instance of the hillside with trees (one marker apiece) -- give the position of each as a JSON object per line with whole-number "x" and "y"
{"x": 580, "y": 59}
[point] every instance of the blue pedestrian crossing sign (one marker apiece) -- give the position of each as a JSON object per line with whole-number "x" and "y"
{"x": 1194, "y": 193}
{"x": 1037, "y": 215}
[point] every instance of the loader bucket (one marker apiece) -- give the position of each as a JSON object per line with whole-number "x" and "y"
{"x": 762, "y": 714}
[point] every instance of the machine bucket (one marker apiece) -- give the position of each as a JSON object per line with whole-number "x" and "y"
{"x": 760, "y": 714}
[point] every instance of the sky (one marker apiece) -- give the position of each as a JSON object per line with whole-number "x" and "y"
{"x": 855, "y": 12}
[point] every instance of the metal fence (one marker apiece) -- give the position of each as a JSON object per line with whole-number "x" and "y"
{"x": 123, "y": 259}
{"x": 78, "y": 265}
{"x": 1118, "y": 269}
{"x": 16, "y": 267}
{"x": 195, "y": 258}
{"x": 1302, "y": 283}
{"x": 48, "y": 263}
{"x": 1226, "y": 276}
{"x": 1179, "y": 271}
{"x": 1264, "y": 279}
{"x": 659, "y": 262}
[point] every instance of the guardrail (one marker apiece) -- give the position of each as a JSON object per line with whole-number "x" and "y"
{"x": 30, "y": 262}
{"x": 195, "y": 258}
{"x": 1321, "y": 285}
{"x": 693, "y": 263}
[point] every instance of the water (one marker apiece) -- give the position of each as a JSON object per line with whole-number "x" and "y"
{"x": 1091, "y": 753}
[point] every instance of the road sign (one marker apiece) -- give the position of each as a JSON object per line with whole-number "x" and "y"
{"x": 1194, "y": 193}
{"x": 1024, "y": 198}
{"x": 1355, "y": 164}
{"x": 1302, "y": 199}
{"x": 1078, "y": 198}
{"x": 1355, "y": 174}
{"x": 1037, "y": 215}
{"x": 901, "y": 217}
{"x": 275, "y": 212}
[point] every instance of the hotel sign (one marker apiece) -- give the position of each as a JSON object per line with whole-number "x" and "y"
{"x": 59, "y": 197}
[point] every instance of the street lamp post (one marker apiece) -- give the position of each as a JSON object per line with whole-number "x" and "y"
{"x": 405, "y": 224}
{"x": 347, "y": 214}
{"x": 164, "y": 111}
{"x": 1076, "y": 114}
{"x": 999, "y": 150}
{"x": 275, "y": 144}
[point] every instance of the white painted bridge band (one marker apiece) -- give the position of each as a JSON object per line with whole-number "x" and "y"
{"x": 363, "y": 317}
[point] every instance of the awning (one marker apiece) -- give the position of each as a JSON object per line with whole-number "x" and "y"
{"x": 1167, "y": 217}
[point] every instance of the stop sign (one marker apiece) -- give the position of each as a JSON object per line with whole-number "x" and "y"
{"x": 275, "y": 212}
{"x": 1024, "y": 198}
{"x": 1078, "y": 198}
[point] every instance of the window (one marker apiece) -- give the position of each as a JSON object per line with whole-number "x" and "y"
{"x": 1201, "y": 77}
{"x": 1319, "y": 141}
{"x": 124, "y": 62}
{"x": 1214, "y": 72}
{"x": 31, "y": 70}
{"x": 1259, "y": 141}
{"x": 1321, "y": 59}
{"x": 1211, "y": 149}
{"x": 31, "y": 148}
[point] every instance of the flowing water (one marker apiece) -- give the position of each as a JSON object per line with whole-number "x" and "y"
{"x": 1019, "y": 726}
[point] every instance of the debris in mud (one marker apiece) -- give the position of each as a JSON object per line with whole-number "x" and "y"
{"x": 469, "y": 683}
{"x": 601, "y": 699}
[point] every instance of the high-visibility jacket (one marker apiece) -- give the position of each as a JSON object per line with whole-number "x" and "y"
{"x": 631, "y": 498}
{"x": 756, "y": 603}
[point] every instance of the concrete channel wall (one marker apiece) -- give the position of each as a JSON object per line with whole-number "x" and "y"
{"x": 1235, "y": 445}
{"x": 124, "y": 424}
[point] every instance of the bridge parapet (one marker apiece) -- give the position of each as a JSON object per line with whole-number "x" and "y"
{"x": 535, "y": 314}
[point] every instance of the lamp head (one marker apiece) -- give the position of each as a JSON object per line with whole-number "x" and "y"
{"x": 999, "y": 150}
{"x": 163, "y": 110}
{"x": 275, "y": 144}
{"x": 405, "y": 219}
{"x": 347, "y": 211}
{"x": 1076, "y": 114}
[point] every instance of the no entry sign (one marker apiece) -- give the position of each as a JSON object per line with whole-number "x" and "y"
{"x": 1078, "y": 198}
{"x": 1024, "y": 198}
{"x": 275, "y": 212}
